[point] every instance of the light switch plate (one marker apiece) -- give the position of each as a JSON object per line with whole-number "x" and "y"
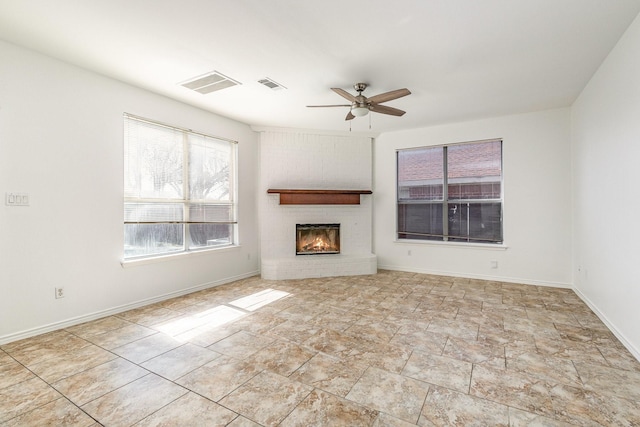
{"x": 16, "y": 199}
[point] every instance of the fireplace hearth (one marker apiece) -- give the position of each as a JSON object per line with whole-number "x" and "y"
{"x": 317, "y": 239}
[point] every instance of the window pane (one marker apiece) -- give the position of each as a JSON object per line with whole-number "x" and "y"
{"x": 209, "y": 235}
{"x": 420, "y": 221}
{"x": 146, "y": 212}
{"x": 210, "y": 162}
{"x": 420, "y": 174}
{"x": 153, "y": 161}
{"x": 211, "y": 212}
{"x": 475, "y": 222}
{"x": 474, "y": 170}
{"x": 152, "y": 239}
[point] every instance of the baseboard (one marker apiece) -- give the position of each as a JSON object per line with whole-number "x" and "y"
{"x": 477, "y": 276}
{"x": 119, "y": 309}
{"x": 632, "y": 349}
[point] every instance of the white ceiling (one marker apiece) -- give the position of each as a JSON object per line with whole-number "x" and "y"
{"x": 461, "y": 59}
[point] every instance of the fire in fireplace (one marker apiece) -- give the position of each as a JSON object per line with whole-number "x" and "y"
{"x": 317, "y": 239}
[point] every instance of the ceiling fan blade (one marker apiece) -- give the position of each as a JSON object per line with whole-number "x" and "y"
{"x": 388, "y": 96}
{"x": 349, "y": 116}
{"x": 386, "y": 110}
{"x": 335, "y": 105}
{"x": 343, "y": 93}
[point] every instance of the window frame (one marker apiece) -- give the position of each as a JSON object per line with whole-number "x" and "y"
{"x": 186, "y": 201}
{"x": 446, "y": 238}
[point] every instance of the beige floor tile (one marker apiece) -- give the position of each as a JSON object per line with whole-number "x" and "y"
{"x": 513, "y": 389}
{"x": 529, "y": 326}
{"x": 377, "y": 331}
{"x": 518, "y": 418}
{"x": 393, "y": 394}
{"x": 243, "y": 422}
{"x": 99, "y": 326}
{"x": 24, "y": 397}
{"x": 330, "y": 374}
{"x": 219, "y": 377}
{"x": 208, "y": 334}
{"x": 454, "y": 328}
{"x": 95, "y": 382}
{"x": 549, "y": 368}
{"x": 334, "y": 318}
{"x": 295, "y": 331}
{"x": 281, "y": 357}
{"x": 71, "y": 363}
{"x": 340, "y": 349}
{"x": 445, "y": 407}
{"x": 34, "y": 342}
{"x": 60, "y": 412}
{"x": 119, "y": 337}
{"x": 439, "y": 370}
{"x": 582, "y": 407}
{"x": 267, "y": 398}
{"x": 384, "y": 356}
{"x": 5, "y": 358}
{"x": 581, "y": 334}
{"x": 610, "y": 381}
{"x": 474, "y": 351}
{"x": 149, "y": 315}
{"x": 324, "y": 409}
{"x": 36, "y": 350}
{"x": 619, "y": 358}
{"x": 420, "y": 339}
{"x": 241, "y": 345}
{"x": 146, "y": 348}
{"x": 180, "y": 361}
{"x": 12, "y": 373}
{"x": 386, "y": 420}
{"x": 301, "y": 312}
{"x": 189, "y": 410}
{"x": 571, "y": 350}
{"x": 133, "y": 402}
{"x": 259, "y": 323}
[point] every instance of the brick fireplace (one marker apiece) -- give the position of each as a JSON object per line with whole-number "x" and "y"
{"x": 334, "y": 165}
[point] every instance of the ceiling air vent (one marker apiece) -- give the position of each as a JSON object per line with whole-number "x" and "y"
{"x": 271, "y": 84}
{"x": 210, "y": 82}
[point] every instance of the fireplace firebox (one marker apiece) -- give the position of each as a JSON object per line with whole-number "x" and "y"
{"x": 317, "y": 239}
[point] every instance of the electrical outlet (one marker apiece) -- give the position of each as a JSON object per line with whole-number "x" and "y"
{"x": 494, "y": 264}
{"x": 59, "y": 293}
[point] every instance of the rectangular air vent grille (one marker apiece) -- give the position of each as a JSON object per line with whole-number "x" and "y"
{"x": 210, "y": 82}
{"x": 271, "y": 84}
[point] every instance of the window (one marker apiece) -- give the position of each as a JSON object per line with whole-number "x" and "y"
{"x": 451, "y": 192}
{"x": 179, "y": 190}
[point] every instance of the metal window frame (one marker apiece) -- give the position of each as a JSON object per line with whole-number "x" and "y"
{"x": 445, "y": 193}
{"x": 186, "y": 202}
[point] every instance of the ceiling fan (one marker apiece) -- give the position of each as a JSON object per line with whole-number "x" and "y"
{"x": 361, "y": 105}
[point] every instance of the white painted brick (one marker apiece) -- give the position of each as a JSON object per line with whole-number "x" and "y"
{"x": 299, "y": 160}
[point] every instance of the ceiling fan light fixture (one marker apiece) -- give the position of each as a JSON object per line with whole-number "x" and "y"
{"x": 360, "y": 111}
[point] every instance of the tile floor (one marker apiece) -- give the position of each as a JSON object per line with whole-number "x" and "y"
{"x": 392, "y": 349}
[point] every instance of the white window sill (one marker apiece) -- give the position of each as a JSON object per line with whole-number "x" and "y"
{"x": 462, "y": 245}
{"x": 174, "y": 257}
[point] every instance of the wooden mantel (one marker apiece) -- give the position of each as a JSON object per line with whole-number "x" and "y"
{"x": 319, "y": 197}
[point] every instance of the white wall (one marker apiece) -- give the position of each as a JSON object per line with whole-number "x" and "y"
{"x": 537, "y": 202}
{"x": 61, "y": 142}
{"x": 606, "y": 156}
